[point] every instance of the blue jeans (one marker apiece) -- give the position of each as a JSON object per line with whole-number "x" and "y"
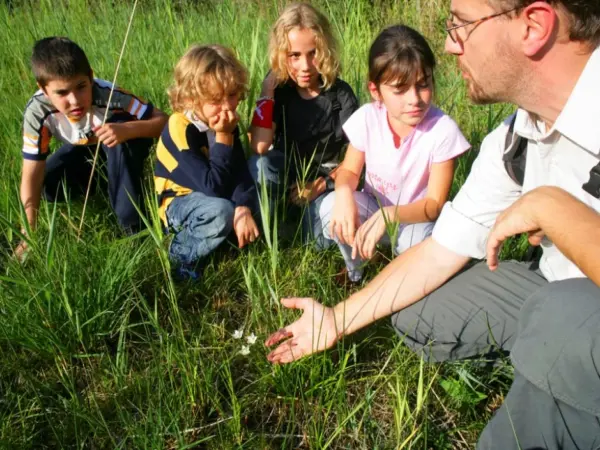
{"x": 200, "y": 223}
{"x": 272, "y": 168}
{"x": 121, "y": 168}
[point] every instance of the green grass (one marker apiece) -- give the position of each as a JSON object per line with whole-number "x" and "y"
{"x": 101, "y": 350}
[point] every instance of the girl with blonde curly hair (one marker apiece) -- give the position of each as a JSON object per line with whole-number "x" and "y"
{"x": 296, "y": 129}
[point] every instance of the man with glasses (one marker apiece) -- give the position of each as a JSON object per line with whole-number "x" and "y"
{"x": 544, "y": 57}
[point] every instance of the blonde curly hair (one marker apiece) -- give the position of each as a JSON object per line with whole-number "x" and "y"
{"x": 206, "y": 73}
{"x": 304, "y": 16}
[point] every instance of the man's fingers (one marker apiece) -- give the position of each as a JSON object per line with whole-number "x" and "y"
{"x": 493, "y": 248}
{"x": 276, "y": 337}
{"x": 296, "y": 302}
{"x": 293, "y": 353}
{"x": 284, "y": 353}
{"x": 535, "y": 237}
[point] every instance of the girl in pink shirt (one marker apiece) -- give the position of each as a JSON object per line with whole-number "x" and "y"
{"x": 407, "y": 146}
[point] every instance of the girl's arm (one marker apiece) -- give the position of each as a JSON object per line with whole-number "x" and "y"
{"x": 348, "y": 173}
{"x": 261, "y": 139}
{"x": 344, "y": 220}
{"x": 429, "y": 208}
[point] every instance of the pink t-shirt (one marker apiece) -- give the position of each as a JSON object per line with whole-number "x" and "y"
{"x": 399, "y": 176}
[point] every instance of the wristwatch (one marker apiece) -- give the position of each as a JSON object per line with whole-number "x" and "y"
{"x": 329, "y": 183}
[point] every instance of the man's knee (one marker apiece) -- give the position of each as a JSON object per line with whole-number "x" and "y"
{"x": 557, "y": 347}
{"x": 415, "y": 326}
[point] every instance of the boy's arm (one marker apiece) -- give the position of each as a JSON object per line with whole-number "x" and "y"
{"x": 32, "y": 179}
{"x": 150, "y": 127}
{"x": 210, "y": 175}
{"x": 112, "y": 134}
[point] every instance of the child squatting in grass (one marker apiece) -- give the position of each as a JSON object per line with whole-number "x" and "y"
{"x": 296, "y": 130}
{"x": 205, "y": 191}
{"x": 407, "y": 147}
{"x": 70, "y": 106}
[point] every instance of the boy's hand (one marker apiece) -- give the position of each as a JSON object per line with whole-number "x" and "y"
{"x": 224, "y": 122}
{"x": 300, "y": 195}
{"x": 244, "y": 226}
{"x": 368, "y": 235}
{"x": 112, "y": 134}
{"x": 21, "y": 251}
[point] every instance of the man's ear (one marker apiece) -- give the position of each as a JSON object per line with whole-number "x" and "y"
{"x": 541, "y": 23}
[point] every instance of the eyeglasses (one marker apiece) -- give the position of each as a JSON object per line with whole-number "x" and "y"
{"x": 451, "y": 27}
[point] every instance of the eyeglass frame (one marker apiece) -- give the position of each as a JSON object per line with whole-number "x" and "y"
{"x": 476, "y": 22}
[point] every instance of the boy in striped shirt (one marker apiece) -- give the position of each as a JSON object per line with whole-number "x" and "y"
{"x": 70, "y": 106}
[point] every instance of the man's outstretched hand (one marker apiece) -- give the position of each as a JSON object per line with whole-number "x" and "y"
{"x": 313, "y": 332}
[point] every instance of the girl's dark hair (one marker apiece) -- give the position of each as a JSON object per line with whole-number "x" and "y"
{"x": 400, "y": 56}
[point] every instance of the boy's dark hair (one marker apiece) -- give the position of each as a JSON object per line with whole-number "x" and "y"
{"x": 583, "y": 16}
{"x": 400, "y": 55}
{"x": 58, "y": 58}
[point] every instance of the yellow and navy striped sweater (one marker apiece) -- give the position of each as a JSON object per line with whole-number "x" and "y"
{"x": 188, "y": 160}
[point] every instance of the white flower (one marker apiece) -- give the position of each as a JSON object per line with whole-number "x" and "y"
{"x": 251, "y": 339}
{"x": 245, "y": 350}
{"x": 237, "y": 334}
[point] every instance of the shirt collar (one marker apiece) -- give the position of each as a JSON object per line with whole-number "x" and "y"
{"x": 202, "y": 127}
{"x": 579, "y": 121}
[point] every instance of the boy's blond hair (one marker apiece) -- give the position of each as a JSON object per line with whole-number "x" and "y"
{"x": 206, "y": 73}
{"x": 304, "y": 16}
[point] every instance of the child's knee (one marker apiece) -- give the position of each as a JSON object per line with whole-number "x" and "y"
{"x": 223, "y": 212}
{"x": 265, "y": 167}
{"x": 411, "y": 235}
{"x": 325, "y": 211}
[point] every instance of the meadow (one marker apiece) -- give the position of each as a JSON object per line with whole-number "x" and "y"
{"x": 101, "y": 349}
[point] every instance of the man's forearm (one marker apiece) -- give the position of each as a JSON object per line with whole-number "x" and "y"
{"x": 572, "y": 226}
{"x": 407, "y": 279}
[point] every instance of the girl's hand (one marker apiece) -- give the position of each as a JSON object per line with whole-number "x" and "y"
{"x": 368, "y": 235}
{"x": 344, "y": 219}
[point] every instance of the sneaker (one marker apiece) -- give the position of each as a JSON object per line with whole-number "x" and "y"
{"x": 343, "y": 279}
{"x": 186, "y": 272}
